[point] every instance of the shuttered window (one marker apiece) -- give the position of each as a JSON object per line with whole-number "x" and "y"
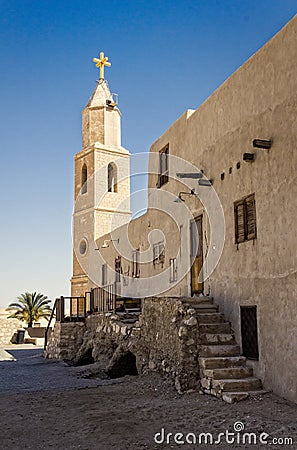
{"x": 135, "y": 264}
{"x": 159, "y": 253}
{"x": 118, "y": 268}
{"x": 163, "y": 166}
{"x": 104, "y": 274}
{"x": 245, "y": 219}
{"x": 173, "y": 270}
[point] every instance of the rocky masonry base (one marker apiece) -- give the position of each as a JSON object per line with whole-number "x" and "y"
{"x": 163, "y": 338}
{"x": 185, "y": 338}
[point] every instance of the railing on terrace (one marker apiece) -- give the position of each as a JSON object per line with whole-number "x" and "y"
{"x": 76, "y": 309}
{"x": 104, "y": 299}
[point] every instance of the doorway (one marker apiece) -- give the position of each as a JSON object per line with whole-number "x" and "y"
{"x": 196, "y": 237}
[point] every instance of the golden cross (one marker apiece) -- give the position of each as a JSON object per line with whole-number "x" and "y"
{"x": 103, "y": 61}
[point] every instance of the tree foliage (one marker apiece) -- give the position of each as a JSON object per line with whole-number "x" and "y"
{"x": 30, "y": 308}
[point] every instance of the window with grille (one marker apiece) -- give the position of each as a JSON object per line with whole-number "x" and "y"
{"x": 159, "y": 253}
{"x": 118, "y": 268}
{"x": 163, "y": 166}
{"x": 245, "y": 219}
{"x": 104, "y": 274}
{"x": 173, "y": 270}
{"x": 249, "y": 332}
{"x": 135, "y": 264}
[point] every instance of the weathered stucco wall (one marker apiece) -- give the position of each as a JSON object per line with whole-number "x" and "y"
{"x": 258, "y": 101}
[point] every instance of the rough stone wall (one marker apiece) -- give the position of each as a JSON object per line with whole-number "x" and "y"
{"x": 65, "y": 340}
{"x": 168, "y": 341}
{"x": 164, "y": 340}
{"x": 8, "y": 328}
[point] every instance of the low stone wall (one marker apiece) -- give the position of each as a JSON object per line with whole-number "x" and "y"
{"x": 8, "y": 330}
{"x": 164, "y": 339}
{"x": 65, "y": 340}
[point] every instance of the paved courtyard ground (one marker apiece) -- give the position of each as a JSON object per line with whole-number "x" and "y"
{"x": 49, "y": 405}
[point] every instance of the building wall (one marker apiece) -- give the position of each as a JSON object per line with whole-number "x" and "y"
{"x": 257, "y": 101}
{"x": 8, "y": 327}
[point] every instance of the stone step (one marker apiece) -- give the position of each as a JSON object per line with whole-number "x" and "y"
{"x": 223, "y": 327}
{"x": 234, "y": 397}
{"x": 242, "y": 384}
{"x": 221, "y": 362}
{"x": 219, "y": 350}
{"x": 205, "y": 318}
{"x": 196, "y": 300}
{"x": 204, "y": 310}
{"x": 129, "y": 321}
{"x": 228, "y": 373}
{"x": 203, "y": 307}
{"x": 217, "y": 338}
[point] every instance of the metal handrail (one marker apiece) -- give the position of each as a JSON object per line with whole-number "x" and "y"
{"x": 49, "y": 322}
{"x": 103, "y": 299}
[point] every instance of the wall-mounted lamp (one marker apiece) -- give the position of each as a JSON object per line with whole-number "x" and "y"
{"x": 106, "y": 243}
{"x": 204, "y": 182}
{"x": 193, "y": 176}
{"x": 179, "y": 199}
{"x": 261, "y": 143}
{"x": 248, "y": 157}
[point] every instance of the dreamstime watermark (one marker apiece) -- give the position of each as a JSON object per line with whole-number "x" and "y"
{"x": 237, "y": 436}
{"x": 96, "y": 203}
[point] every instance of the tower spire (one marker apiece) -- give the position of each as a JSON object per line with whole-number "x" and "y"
{"x": 101, "y": 62}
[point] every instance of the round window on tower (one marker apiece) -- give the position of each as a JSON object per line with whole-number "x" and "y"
{"x": 83, "y": 246}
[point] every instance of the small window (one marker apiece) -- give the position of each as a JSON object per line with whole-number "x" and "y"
{"x": 159, "y": 253}
{"x": 118, "y": 268}
{"x": 245, "y": 219}
{"x": 173, "y": 270}
{"x": 83, "y": 246}
{"x": 104, "y": 274}
{"x": 135, "y": 264}
{"x": 249, "y": 332}
{"x": 163, "y": 166}
{"x": 112, "y": 178}
{"x": 84, "y": 178}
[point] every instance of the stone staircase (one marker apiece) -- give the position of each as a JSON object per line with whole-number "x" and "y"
{"x": 223, "y": 371}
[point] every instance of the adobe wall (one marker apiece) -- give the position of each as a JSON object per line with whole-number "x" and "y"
{"x": 257, "y": 101}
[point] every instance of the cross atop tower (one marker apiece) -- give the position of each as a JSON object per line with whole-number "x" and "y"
{"x": 101, "y": 62}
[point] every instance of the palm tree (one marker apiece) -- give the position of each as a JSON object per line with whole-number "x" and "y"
{"x": 30, "y": 308}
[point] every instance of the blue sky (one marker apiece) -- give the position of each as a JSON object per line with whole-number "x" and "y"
{"x": 166, "y": 56}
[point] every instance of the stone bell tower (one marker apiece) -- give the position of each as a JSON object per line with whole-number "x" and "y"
{"x": 101, "y": 180}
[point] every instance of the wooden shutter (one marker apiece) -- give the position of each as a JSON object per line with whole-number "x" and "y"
{"x": 135, "y": 262}
{"x": 239, "y": 212}
{"x": 250, "y": 217}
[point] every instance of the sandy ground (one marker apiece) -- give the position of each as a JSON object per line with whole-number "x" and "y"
{"x": 89, "y": 413}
